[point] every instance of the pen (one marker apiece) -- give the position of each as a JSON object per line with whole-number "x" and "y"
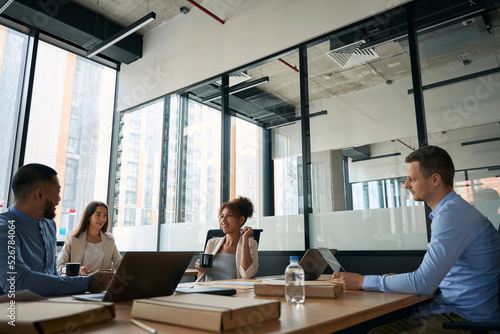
{"x": 256, "y": 280}
{"x": 146, "y": 328}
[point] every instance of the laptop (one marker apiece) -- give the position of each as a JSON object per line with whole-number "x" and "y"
{"x": 144, "y": 275}
{"x": 328, "y": 255}
{"x": 315, "y": 261}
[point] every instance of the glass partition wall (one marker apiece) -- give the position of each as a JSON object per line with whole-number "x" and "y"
{"x": 266, "y": 149}
{"x": 365, "y": 127}
{"x": 261, "y": 155}
{"x": 460, "y": 64}
{"x": 342, "y": 109}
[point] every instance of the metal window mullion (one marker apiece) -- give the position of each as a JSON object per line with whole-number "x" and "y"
{"x": 180, "y": 197}
{"x": 306, "y": 141}
{"x": 115, "y": 133}
{"x": 163, "y": 168}
{"x": 418, "y": 93}
{"x": 24, "y": 108}
{"x": 416, "y": 76}
{"x": 267, "y": 174}
{"x": 225, "y": 141}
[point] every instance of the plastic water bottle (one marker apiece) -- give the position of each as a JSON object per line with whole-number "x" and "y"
{"x": 294, "y": 282}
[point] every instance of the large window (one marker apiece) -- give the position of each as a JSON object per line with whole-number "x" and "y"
{"x": 246, "y": 162}
{"x": 13, "y": 47}
{"x": 137, "y": 182}
{"x": 191, "y": 181}
{"x": 199, "y": 197}
{"x": 70, "y": 128}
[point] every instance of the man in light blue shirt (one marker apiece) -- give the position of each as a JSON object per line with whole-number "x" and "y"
{"x": 462, "y": 263}
{"x": 28, "y": 239}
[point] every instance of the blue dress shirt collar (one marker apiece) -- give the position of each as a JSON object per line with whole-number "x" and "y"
{"x": 22, "y": 216}
{"x": 441, "y": 203}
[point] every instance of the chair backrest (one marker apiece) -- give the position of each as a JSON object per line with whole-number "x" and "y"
{"x": 216, "y": 233}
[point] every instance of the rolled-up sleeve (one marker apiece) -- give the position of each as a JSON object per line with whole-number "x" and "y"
{"x": 254, "y": 267}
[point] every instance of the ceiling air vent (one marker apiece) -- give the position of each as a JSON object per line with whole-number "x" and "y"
{"x": 235, "y": 79}
{"x": 350, "y": 55}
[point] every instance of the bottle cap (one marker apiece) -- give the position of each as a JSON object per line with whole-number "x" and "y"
{"x": 294, "y": 258}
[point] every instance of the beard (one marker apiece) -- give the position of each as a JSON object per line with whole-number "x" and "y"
{"x": 49, "y": 211}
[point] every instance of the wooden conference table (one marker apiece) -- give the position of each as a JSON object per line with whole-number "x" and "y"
{"x": 314, "y": 316}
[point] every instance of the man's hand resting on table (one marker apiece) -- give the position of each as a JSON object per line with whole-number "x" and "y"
{"x": 352, "y": 281}
{"x": 99, "y": 280}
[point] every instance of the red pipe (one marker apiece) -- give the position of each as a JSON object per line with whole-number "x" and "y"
{"x": 411, "y": 148}
{"x": 203, "y": 9}
{"x": 287, "y": 64}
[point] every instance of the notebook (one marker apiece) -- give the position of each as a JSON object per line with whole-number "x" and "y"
{"x": 213, "y": 290}
{"x": 144, "y": 275}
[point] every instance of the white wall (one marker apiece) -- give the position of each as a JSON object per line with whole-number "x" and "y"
{"x": 195, "y": 47}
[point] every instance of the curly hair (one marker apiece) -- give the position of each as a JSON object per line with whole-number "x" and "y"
{"x": 240, "y": 206}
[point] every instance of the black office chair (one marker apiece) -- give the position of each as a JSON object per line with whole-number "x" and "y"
{"x": 218, "y": 233}
{"x": 476, "y": 327}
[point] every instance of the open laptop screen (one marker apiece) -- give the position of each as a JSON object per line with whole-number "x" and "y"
{"x": 144, "y": 275}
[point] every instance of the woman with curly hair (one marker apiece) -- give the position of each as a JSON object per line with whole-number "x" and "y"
{"x": 235, "y": 254}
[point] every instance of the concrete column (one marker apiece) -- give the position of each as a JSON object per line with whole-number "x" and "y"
{"x": 327, "y": 181}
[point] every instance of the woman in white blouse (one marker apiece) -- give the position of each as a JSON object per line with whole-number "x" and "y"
{"x": 88, "y": 244}
{"x": 235, "y": 254}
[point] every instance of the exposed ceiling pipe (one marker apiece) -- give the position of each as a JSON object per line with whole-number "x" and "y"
{"x": 203, "y": 9}
{"x": 411, "y": 148}
{"x": 289, "y": 65}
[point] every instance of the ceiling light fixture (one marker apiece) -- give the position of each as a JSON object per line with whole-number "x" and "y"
{"x": 377, "y": 157}
{"x": 4, "y": 7}
{"x": 238, "y": 88}
{"x": 479, "y": 141}
{"x": 122, "y": 34}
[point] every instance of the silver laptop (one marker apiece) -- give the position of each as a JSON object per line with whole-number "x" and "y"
{"x": 328, "y": 255}
{"x": 314, "y": 262}
{"x": 144, "y": 275}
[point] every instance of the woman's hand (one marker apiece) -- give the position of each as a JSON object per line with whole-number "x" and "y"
{"x": 247, "y": 232}
{"x": 84, "y": 271}
{"x": 200, "y": 269}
